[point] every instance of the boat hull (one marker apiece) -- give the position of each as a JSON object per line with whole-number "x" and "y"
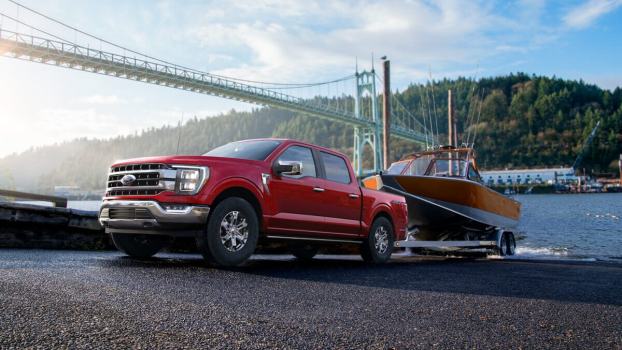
{"x": 442, "y": 202}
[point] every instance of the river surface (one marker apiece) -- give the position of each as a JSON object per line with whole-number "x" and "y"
{"x": 568, "y": 226}
{"x": 582, "y": 226}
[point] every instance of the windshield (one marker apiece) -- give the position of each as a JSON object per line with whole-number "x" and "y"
{"x": 396, "y": 168}
{"x": 447, "y": 167}
{"x": 252, "y": 150}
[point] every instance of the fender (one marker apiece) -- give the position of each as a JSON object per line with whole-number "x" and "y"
{"x": 378, "y": 208}
{"x": 231, "y": 182}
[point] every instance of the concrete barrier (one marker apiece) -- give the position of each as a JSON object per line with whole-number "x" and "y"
{"x": 35, "y": 226}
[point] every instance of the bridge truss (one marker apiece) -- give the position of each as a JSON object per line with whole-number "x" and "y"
{"x": 367, "y": 123}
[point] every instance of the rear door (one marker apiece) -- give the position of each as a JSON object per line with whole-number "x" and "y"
{"x": 297, "y": 198}
{"x": 342, "y": 196}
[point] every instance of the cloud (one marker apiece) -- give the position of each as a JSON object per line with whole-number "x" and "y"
{"x": 314, "y": 41}
{"x": 585, "y": 14}
{"x": 103, "y": 100}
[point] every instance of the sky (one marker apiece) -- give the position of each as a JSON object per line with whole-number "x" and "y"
{"x": 288, "y": 41}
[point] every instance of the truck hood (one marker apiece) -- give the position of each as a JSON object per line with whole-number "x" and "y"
{"x": 187, "y": 160}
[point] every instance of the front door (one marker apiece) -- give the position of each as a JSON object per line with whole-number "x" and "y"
{"x": 297, "y": 198}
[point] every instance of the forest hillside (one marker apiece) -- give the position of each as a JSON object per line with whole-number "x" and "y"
{"x": 516, "y": 121}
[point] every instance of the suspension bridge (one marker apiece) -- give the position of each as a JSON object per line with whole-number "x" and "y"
{"x": 360, "y": 109}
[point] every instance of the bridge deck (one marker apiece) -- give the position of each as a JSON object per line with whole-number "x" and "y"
{"x": 69, "y": 55}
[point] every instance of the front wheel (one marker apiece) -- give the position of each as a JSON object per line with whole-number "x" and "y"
{"x": 139, "y": 246}
{"x": 378, "y": 246}
{"x": 232, "y": 233}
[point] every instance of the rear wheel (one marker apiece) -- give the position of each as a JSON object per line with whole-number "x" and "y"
{"x": 303, "y": 251}
{"x": 378, "y": 246}
{"x": 232, "y": 233}
{"x": 139, "y": 246}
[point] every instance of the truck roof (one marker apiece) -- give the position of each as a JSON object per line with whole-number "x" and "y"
{"x": 289, "y": 141}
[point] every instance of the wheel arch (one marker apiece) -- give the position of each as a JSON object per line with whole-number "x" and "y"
{"x": 241, "y": 192}
{"x": 383, "y": 212}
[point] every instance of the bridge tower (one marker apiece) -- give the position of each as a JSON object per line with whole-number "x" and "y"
{"x": 366, "y": 108}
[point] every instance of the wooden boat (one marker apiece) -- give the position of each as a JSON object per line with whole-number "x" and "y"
{"x": 446, "y": 197}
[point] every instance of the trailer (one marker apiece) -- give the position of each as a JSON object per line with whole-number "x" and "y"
{"x": 500, "y": 242}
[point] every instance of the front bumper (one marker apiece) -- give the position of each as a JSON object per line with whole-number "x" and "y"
{"x": 144, "y": 217}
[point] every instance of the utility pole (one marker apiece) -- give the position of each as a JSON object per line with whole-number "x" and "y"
{"x": 451, "y": 127}
{"x": 386, "y": 113}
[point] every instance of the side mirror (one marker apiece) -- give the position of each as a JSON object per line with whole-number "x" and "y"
{"x": 288, "y": 168}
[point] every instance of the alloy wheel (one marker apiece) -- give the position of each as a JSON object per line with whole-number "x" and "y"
{"x": 381, "y": 240}
{"x": 234, "y": 231}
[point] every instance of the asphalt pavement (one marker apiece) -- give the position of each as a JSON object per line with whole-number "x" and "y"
{"x": 69, "y": 299}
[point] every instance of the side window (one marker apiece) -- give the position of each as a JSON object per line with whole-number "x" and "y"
{"x": 336, "y": 168}
{"x": 473, "y": 175}
{"x": 300, "y": 154}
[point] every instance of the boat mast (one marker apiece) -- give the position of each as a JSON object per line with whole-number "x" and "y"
{"x": 452, "y": 138}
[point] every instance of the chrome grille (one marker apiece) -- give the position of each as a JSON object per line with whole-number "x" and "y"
{"x": 150, "y": 179}
{"x": 126, "y": 213}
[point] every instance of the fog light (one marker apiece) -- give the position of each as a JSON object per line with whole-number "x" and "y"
{"x": 175, "y": 208}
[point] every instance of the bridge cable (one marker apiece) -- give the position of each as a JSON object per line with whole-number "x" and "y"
{"x": 434, "y": 102}
{"x": 3, "y": 15}
{"x": 163, "y": 61}
{"x": 397, "y": 102}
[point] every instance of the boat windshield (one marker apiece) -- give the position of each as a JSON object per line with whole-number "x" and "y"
{"x": 397, "y": 168}
{"x": 447, "y": 167}
{"x": 433, "y": 164}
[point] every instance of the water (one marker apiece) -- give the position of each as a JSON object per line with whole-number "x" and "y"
{"x": 575, "y": 226}
{"x": 81, "y": 205}
{"x": 570, "y": 226}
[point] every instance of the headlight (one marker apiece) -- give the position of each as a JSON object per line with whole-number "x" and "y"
{"x": 190, "y": 179}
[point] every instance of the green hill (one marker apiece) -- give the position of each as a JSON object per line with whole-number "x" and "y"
{"x": 524, "y": 121}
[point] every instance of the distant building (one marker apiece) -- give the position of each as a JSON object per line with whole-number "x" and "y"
{"x": 529, "y": 176}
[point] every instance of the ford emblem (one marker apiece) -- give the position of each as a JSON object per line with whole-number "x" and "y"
{"x": 128, "y": 179}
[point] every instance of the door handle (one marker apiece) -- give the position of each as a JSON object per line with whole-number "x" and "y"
{"x": 318, "y": 189}
{"x": 353, "y": 196}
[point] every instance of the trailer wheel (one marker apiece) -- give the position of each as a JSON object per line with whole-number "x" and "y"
{"x": 303, "y": 251}
{"x": 511, "y": 243}
{"x": 139, "y": 246}
{"x": 232, "y": 233}
{"x": 502, "y": 249}
{"x": 378, "y": 246}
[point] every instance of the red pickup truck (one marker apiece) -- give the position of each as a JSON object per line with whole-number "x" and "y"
{"x": 243, "y": 192}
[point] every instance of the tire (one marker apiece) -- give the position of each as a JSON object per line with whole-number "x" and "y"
{"x": 511, "y": 244}
{"x": 502, "y": 250}
{"x": 303, "y": 251}
{"x": 378, "y": 246}
{"x": 139, "y": 246}
{"x": 232, "y": 233}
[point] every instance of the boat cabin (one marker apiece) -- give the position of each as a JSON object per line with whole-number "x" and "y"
{"x": 445, "y": 162}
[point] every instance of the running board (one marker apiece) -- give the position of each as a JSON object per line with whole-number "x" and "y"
{"x": 445, "y": 244}
{"x": 329, "y": 240}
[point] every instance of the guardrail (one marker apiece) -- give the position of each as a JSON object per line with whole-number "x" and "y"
{"x": 58, "y": 202}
